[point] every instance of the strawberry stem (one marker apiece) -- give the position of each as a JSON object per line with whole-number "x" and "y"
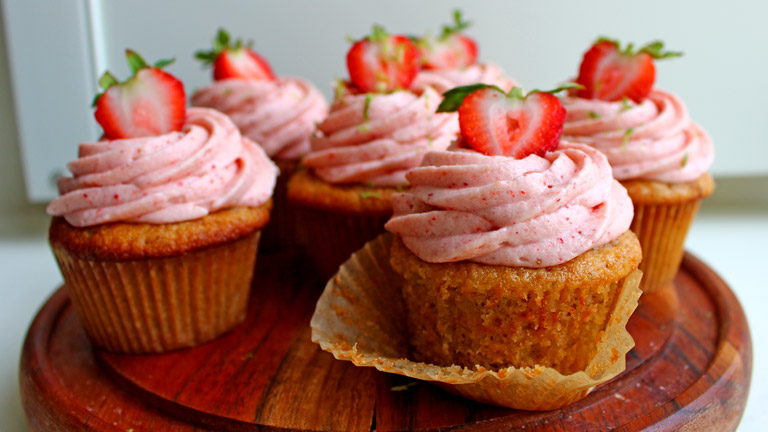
{"x": 453, "y": 98}
{"x": 655, "y": 49}
{"x": 565, "y": 86}
{"x": 458, "y": 25}
{"x": 222, "y": 42}
{"x": 163, "y": 63}
{"x": 378, "y": 34}
{"x": 107, "y": 80}
{"x": 135, "y": 61}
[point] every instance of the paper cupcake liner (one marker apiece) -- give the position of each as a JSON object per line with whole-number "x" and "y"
{"x": 361, "y": 317}
{"x": 161, "y": 304}
{"x": 332, "y": 237}
{"x": 661, "y": 230}
{"x": 283, "y": 230}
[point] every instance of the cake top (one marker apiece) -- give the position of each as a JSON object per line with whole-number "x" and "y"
{"x": 235, "y": 60}
{"x": 159, "y": 162}
{"x": 277, "y": 113}
{"x": 509, "y": 192}
{"x": 611, "y": 73}
{"x": 644, "y": 131}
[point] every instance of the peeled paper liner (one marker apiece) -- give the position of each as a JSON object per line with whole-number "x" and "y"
{"x": 360, "y": 317}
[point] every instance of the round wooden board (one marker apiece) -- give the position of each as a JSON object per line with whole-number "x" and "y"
{"x": 690, "y": 370}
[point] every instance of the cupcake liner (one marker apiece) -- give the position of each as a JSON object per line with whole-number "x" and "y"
{"x": 361, "y": 317}
{"x": 332, "y": 236}
{"x": 283, "y": 230}
{"x": 161, "y": 304}
{"x": 661, "y": 230}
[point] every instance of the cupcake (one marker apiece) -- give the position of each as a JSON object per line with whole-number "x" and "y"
{"x": 513, "y": 246}
{"x": 278, "y": 113}
{"x": 376, "y": 130}
{"x": 450, "y": 60}
{"x": 156, "y": 232}
{"x": 656, "y": 151}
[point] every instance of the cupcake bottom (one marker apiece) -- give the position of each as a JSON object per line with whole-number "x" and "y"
{"x": 190, "y": 285}
{"x": 337, "y": 219}
{"x": 284, "y": 230}
{"x": 663, "y": 214}
{"x": 361, "y": 318}
{"x": 478, "y": 315}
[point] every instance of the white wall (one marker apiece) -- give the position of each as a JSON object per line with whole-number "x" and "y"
{"x": 11, "y": 178}
{"x": 540, "y": 43}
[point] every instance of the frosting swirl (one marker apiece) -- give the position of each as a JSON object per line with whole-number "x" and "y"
{"x": 375, "y": 138}
{"x": 279, "y": 115}
{"x": 174, "y": 177}
{"x": 532, "y": 212}
{"x": 653, "y": 140}
{"x": 446, "y": 79}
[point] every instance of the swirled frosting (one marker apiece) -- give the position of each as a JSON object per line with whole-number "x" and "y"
{"x": 375, "y": 138}
{"x": 531, "y": 212}
{"x": 445, "y": 79}
{"x": 168, "y": 178}
{"x": 653, "y": 140}
{"x": 279, "y": 115}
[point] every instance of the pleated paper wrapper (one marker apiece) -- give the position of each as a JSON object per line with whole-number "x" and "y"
{"x": 361, "y": 318}
{"x": 160, "y": 304}
{"x": 661, "y": 230}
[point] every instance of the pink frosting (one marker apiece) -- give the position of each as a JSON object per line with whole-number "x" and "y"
{"x": 279, "y": 115}
{"x": 446, "y": 79}
{"x": 380, "y": 147}
{"x": 531, "y": 212}
{"x": 168, "y": 178}
{"x": 653, "y": 140}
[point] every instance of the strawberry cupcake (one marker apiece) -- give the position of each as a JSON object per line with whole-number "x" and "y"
{"x": 512, "y": 238}
{"x": 377, "y": 129}
{"x": 278, "y": 113}
{"x": 156, "y": 231}
{"x": 656, "y": 151}
{"x": 450, "y": 60}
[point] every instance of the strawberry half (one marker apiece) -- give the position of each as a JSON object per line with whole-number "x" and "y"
{"x": 236, "y": 60}
{"x": 451, "y": 50}
{"x": 512, "y": 124}
{"x": 151, "y": 102}
{"x": 609, "y": 73}
{"x": 382, "y": 62}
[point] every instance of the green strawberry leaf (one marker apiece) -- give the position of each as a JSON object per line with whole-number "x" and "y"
{"x": 453, "y": 98}
{"x": 164, "y": 62}
{"x": 565, "y": 86}
{"x": 458, "y": 25}
{"x": 656, "y": 50}
{"x": 134, "y": 61}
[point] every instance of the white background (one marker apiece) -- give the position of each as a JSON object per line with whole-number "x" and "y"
{"x": 540, "y": 43}
{"x": 56, "y": 48}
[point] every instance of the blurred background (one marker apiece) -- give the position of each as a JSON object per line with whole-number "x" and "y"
{"x": 52, "y": 53}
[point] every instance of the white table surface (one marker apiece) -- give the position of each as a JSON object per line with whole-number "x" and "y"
{"x": 731, "y": 242}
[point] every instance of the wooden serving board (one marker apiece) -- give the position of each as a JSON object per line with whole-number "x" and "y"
{"x": 690, "y": 370}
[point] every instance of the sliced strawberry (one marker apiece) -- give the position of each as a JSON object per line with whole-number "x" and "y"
{"x": 236, "y": 60}
{"x": 382, "y": 62}
{"x": 151, "y": 102}
{"x": 495, "y": 123}
{"x": 610, "y": 73}
{"x": 451, "y": 50}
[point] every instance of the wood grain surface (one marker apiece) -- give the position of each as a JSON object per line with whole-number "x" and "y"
{"x": 690, "y": 370}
